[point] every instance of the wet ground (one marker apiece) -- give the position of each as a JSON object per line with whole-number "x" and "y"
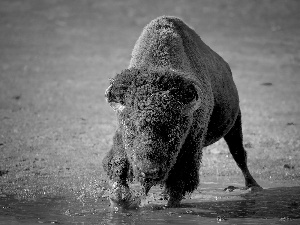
{"x": 56, "y": 58}
{"x": 208, "y": 205}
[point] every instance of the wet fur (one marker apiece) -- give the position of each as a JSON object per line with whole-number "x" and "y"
{"x": 168, "y": 61}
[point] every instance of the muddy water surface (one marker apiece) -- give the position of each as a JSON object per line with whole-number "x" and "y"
{"x": 210, "y": 204}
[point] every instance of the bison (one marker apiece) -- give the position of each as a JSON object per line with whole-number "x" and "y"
{"x": 177, "y": 97}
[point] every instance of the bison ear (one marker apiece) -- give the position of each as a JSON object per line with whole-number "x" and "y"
{"x": 193, "y": 98}
{"x": 114, "y": 101}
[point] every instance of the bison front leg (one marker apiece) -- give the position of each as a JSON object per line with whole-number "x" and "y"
{"x": 184, "y": 176}
{"x": 234, "y": 140}
{"x": 117, "y": 167}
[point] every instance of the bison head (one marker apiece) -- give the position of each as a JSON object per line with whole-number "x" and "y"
{"x": 155, "y": 112}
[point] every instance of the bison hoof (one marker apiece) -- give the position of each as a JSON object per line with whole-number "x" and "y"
{"x": 130, "y": 203}
{"x": 173, "y": 203}
{"x": 251, "y": 188}
{"x": 230, "y": 188}
{"x": 255, "y": 188}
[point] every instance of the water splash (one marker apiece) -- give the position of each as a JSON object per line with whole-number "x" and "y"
{"x": 208, "y": 205}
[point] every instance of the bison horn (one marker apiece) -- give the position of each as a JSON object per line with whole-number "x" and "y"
{"x": 110, "y": 98}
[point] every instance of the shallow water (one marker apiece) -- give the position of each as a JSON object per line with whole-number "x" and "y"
{"x": 208, "y": 205}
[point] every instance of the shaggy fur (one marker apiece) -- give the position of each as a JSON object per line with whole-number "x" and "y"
{"x": 176, "y": 97}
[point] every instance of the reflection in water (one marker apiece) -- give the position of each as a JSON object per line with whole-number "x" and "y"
{"x": 211, "y": 206}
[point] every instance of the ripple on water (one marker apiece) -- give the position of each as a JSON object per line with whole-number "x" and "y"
{"x": 209, "y": 206}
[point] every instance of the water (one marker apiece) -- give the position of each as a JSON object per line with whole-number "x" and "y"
{"x": 209, "y": 205}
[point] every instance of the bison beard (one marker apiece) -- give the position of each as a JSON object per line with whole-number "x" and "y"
{"x": 177, "y": 97}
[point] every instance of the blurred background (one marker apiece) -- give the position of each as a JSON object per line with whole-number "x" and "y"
{"x": 56, "y": 58}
